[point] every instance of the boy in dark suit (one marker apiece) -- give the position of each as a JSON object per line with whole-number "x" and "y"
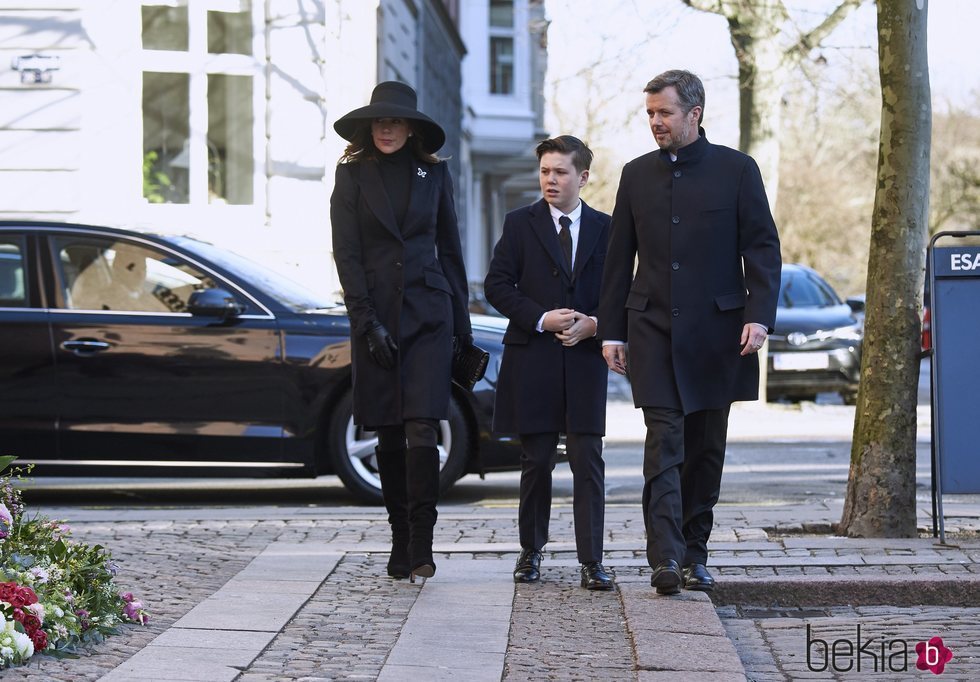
{"x": 544, "y": 277}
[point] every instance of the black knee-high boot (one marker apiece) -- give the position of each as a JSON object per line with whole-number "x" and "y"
{"x": 394, "y": 489}
{"x": 423, "y": 493}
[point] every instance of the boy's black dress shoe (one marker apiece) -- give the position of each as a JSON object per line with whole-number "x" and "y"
{"x": 594, "y": 577}
{"x": 696, "y": 577}
{"x": 667, "y": 577}
{"x": 528, "y": 568}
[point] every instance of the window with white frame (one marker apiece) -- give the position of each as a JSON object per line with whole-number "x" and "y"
{"x": 199, "y": 122}
{"x": 502, "y": 47}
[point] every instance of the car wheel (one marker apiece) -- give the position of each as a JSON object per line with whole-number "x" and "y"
{"x": 351, "y": 449}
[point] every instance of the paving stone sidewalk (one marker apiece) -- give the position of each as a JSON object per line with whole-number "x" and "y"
{"x": 235, "y": 594}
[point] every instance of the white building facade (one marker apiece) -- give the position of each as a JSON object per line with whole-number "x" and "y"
{"x": 214, "y": 117}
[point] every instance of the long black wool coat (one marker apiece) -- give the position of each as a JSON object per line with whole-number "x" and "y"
{"x": 544, "y": 386}
{"x": 408, "y": 277}
{"x": 702, "y": 237}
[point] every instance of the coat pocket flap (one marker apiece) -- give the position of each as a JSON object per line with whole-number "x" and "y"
{"x": 636, "y": 301}
{"x": 437, "y": 280}
{"x": 730, "y": 301}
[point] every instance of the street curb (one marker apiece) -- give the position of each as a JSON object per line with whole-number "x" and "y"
{"x": 904, "y": 590}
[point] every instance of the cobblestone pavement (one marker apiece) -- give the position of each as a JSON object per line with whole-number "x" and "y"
{"x": 558, "y": 631}
{"x": 173, "y": 559}
{"x": 776, "y": 646}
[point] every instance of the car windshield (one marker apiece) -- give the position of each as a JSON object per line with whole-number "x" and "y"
{"x": 289, "y": 293}
{"x": 798, "y": 290}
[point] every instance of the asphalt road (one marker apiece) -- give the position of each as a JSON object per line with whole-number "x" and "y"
{"x": 755, "y": 471}
{"x": 758, "y": 472}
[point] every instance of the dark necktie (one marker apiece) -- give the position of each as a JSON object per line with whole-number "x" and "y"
{"x": 565, "y": 239}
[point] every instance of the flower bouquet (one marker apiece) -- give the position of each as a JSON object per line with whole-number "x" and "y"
{"x": 56, "y": 593}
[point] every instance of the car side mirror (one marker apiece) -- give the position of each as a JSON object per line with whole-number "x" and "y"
{"x": 856, "y": 303}
{"x": 215, "y": 303}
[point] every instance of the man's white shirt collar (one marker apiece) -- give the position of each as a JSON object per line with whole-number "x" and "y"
{"x": 574, "y": 216}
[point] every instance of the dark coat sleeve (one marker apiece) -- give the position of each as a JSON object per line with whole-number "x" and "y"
{"x": 500, "y": 285}
{"x": 617, "y": 275}
{"x": 758, "y": 245}
{"x": 347, "y": 250}
{"x": 451, "y": 254}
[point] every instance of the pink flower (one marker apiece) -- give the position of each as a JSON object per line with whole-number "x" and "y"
{"x": 133, "y": 611}
{"x": 6, "y": 520}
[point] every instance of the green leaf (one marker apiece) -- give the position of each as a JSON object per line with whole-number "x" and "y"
{"x": 6, "y": 460}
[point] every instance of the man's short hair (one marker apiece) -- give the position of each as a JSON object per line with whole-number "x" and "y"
{"x": 567, "y": 144}
{"x": 690, "y": 89}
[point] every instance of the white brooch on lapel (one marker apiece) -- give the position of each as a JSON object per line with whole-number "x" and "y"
{"x": 421, "y": 173}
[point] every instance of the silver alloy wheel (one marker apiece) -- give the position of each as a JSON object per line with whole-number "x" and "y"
{"x": 361, "y": 443}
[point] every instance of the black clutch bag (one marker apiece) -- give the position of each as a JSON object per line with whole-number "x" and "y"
{"x": 469, "y": 365}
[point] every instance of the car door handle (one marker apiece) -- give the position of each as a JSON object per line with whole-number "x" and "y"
{"x": 85, "y": 346}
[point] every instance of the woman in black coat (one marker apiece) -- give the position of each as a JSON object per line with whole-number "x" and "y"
{"x": 397, "y": 248}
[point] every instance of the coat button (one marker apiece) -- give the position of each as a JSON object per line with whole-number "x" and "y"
{"x": 677, "y": 174}
{"x": 398, "y": 265}
{"x": 675, "y": 312}
{"x": 675, "y": 219}
{"x": 554, "y": 272}
{"x": 675, "y": 266}
{"x": 398, "y": 288}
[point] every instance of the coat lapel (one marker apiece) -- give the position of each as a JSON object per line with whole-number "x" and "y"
{"x": 588, "y": 237}
{"x": 376, "y": 197}
{"x": 544, "y": 228}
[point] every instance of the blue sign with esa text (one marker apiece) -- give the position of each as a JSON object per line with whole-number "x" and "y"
{"x": 955, "y": 300}
{"x": 962, "y": 261}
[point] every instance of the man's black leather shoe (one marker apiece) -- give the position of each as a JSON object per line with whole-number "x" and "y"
{"x": 667, "y": 577}
{"x": 528, "y": 568}
{"x": 594, "y": 577}
{"x": 696, "y": 577}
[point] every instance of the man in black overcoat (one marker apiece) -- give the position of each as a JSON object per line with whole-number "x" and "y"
{"x": 545, "y": 276}
{"x": 686, "y": 327}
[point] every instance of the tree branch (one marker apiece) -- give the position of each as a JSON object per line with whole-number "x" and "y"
{"x": 810, "y": 40}
{"x": 713, "y": 6}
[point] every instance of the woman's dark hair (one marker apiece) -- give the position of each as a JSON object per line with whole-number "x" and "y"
{"x": 362, "y": 145}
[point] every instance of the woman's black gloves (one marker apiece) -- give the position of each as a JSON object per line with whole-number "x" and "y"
{"x": 380, "y": 345}
{"x": 461, "y": 342}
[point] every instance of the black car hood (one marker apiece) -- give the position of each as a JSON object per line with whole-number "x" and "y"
{"x": 809, "y": 320}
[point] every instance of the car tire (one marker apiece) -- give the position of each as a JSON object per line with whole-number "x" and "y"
{"x": 351, "y": 450}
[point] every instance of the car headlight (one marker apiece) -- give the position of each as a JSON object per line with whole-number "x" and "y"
{"x": 853, "y": 332}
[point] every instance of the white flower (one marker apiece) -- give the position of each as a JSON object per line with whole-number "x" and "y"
{"x": 14, "y": 643}
{"x": 23, "y": 643}
{"x": 58, "y": 613}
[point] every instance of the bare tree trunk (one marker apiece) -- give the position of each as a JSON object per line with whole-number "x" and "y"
{"x": 761, "y": 72}
{"x": 881, "y": 486}
{"x": 764, "y": 62}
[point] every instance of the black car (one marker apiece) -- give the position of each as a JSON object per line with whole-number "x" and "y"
{"x": 124, "y": 353}
{"x": 816, "y": 345}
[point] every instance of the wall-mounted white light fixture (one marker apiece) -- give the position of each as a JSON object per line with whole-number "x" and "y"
{"x": 36, "y": 68}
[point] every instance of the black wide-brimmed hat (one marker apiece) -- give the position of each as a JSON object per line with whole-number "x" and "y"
{"x": 392, "y": 99}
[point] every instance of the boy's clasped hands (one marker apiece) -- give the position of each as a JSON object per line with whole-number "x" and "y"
{"x": 569, "y": 326}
